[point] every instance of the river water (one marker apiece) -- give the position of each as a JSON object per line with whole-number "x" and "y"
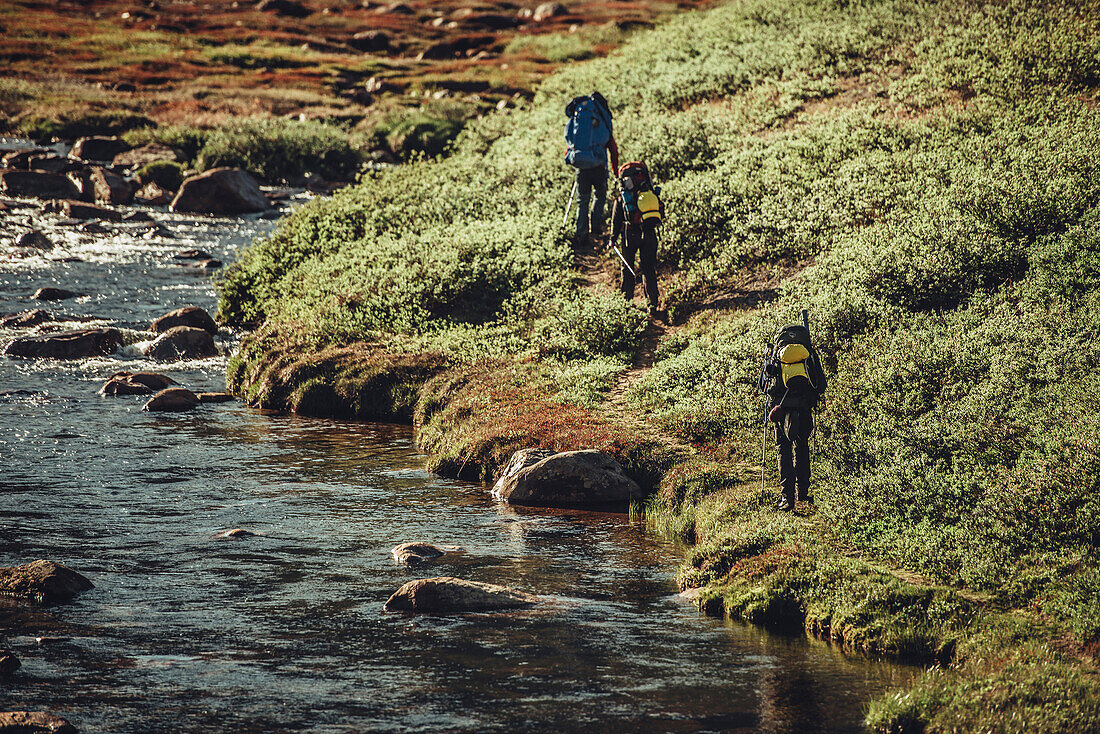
{"x": 284, "y": 630}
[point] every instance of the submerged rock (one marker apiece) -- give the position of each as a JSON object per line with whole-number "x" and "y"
{"x": 66, "y": 344}
{"x": 445, "y": 594}
{"x": 220, "y": 191}
{"x": 26, "y": 319}
{"x": 33, "y": 722}
{"x": 49, "y": 293}
{"x": 192, "y": 316}
{"x": 571, "y": 478}
{"x": 193, "y": 255}
{"x": 136, "y": 383}
{"x": 44, "y": 582}
{"x": 236, "y": 533}
{"x": 172, "y": 399}
{"x": 182, "y": 342}
{"x": 215, "y": 397}
{"x": 35, "y": 238}
{"x": 9, "y": 663}
{"x": 413, "y": 554}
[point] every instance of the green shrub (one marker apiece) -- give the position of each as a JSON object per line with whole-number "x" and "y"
{"x": 278, "y": 149}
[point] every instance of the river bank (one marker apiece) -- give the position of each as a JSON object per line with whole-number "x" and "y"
{"x": 934, "y": 211}
{"x": 282, "y": 627}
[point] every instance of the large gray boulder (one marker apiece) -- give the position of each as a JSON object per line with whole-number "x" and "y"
{"x": 76, "y": 344}
{"x": 44, "y": 582}
{"x": 182, "y": 342}
{"x": 172, "y": 399}
{"x": 41, "y": 184}
{"x": 220, "y": 191}
{"x": 572, "y": 479}
{"x": 192, "y": 316}
{"x": 446, "y": 594}
{"x": 33, "y": 722}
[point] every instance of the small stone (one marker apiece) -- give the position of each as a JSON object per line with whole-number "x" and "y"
{"x": 413, "y": 554}
{"x": 236, "y": 533}
{"x": 172, "y": 399}
{"x": 35, "y": 238}
{"x": 9, "y": 663}
{"x": 192, "y": 316}
{"x": 182, "y": 342}
{"x": 546, "y": 11}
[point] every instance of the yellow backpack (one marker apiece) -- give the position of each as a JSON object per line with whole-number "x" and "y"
{"x": 792, "y": 362}
{"x": 649, "y": 206}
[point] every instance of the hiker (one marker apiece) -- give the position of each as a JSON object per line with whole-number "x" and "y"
{"x": 792, "y": 382}
{"x": 637, "y": 213}
{"x": 589, "y": 138}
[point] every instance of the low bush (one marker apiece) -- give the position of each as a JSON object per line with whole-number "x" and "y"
{"x": 277, "y": 149}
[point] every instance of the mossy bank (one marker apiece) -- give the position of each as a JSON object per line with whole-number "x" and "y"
{"x": 924, "y": 177}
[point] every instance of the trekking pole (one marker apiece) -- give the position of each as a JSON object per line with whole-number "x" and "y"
{"x": 764, "y": 445}
{"x": 569, "y": 204}
{"x": 616, "y": 249}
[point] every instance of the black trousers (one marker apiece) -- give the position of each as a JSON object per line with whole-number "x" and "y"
{"x": 641, "y": 240}
{"x": 792, "y": 436}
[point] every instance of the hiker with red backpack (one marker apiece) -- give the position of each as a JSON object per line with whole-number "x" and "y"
{"x": 792, "y": 382}
{"x": 589, "y": 138}
{"x": 637, "y": 214}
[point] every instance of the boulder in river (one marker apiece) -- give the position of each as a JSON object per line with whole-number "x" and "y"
{"x": 445, "y": 594}
{"x": 21, "y": 159}
{"x": 192, "y": 316}
{"x": 35, "y": 238}
{"x": 74, "y": 209}
{"x": 50, "y": 293}
{"x": 9, "y": 663}
{"x": 98, "y": 148}
{"x": 41, "y": 184}
{"x": 110, "y": 188}
{"x": 66, "y": 344}
{"x": 182, "y": 342}
{"x": 236, "y": 533}
{"x": 26, "y": 319}
{"x": 136, "y": 383}
{"x": 33, "y": 722}
{"x": 220, "y": 191}
{"x": 172, "y": 399}
{"x": 153, "y": 195}
{"x": 44, "y": 582}
{"x": 413, "y": 554}
{"x": 571, "y": 478}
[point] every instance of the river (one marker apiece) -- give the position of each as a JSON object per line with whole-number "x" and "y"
{"x": 284, "y": 630}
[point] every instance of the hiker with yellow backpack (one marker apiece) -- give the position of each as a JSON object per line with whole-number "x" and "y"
{"x": 636, "y": 216}
{"x": 792, "y": 382}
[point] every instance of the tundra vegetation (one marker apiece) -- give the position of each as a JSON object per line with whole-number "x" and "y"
{"x": 923, "y": 176}
{"x": 333, "y": 85}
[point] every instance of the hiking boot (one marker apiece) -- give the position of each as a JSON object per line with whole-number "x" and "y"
{"x": 785, "y": 504}
{"x": 804, "y": 495}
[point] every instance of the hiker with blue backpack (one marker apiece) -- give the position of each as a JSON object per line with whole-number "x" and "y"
{"x": 589, "y": 139}
{"x": 637, "y": 213}
{"x": 792, "y": 382}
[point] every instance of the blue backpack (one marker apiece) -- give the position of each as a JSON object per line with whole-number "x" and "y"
{"x": 588, "y": 131}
